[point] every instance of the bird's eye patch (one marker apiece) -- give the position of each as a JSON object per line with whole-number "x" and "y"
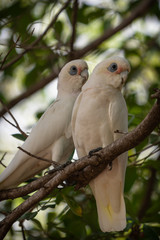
{"x": 73, "y": 70}
{"x": 112, "y": 67}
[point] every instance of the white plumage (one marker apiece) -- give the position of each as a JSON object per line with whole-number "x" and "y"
{"x": 99, "y": 110}
{"x": 51, "y": 137}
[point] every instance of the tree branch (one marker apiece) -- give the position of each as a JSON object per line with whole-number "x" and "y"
{"x": 23, "y": 191}
{"x": 10, "y": 50}
{"x": 74, "y": 20}
{"x": 16, "y": 125}
{"x": 139, "y": 11}
{"x": 39, "y": 158}
{"x": 42, "y": 83}
{"x": 89, "y": 166}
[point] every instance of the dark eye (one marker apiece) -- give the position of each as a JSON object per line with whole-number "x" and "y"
{"x": 112, "y": 67}
{"x": 73, "y": 70}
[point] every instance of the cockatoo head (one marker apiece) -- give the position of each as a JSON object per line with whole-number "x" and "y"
{"x": 112, "y": 71}
{"x": 72, "y": 76}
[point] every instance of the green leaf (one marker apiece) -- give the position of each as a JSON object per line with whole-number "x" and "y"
{"x": 39, "y": 114}
{"x": 48, "y": 206}
{"x": 26, "y": 197}
{"x": 28, "y": 215}
{"x": 31, "y": 77}
{"x": 77, "y": 228}
{"x": 154, "y": 138}
{"x": 51, "y": 216}
{"x": 74, "y": 206}
{"x": 63, "y": 212}
{"x": 130, "y": 209}
{"x": 2, "y": 97}
{"x": 19, "y": 136}
{"x": 38, "y": 223}
{"x": 13, "y": 10}
{"x": 74, "y": 227}
{"x": 130, "y": 178}
{"x": 59, "y": 197}
{"x": 58, "y": 27}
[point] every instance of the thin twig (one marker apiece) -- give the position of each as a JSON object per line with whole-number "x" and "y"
{"x": 141, "y": 161}
{"x": 9, "y": 121}
{"x": 2, "y": 160}
{"x": 16, "y": 123}
{"x": 140, "y": 10}
{"x": 22, "y": 229}
{"x": 4, "y": 213}
{"x": 156, "y": 94}
{"x": 10, "y": 50}
{"x": 74, "y": 21}
{"x": 21, "y": 45}
{"x": 144, "y": 149}
{"x": 39, "y": 158}
{"x": 28, "y": 188}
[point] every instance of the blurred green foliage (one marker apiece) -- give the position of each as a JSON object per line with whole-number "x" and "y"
{"x": 69, "y": 214}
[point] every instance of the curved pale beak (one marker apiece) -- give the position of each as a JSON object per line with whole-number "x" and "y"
{"x": 124, "y": 76}
{"x": 84, "y": 74}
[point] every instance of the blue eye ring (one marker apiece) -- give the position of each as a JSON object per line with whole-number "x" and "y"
{"x": 112, "y": 67}
{"x": 73, "y": 70}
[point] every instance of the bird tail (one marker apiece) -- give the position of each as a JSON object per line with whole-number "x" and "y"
{"x": 21, "y": 168}
{"x": 107, "y": 188}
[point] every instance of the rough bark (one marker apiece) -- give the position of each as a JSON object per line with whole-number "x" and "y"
{"x": 86, "y": 168}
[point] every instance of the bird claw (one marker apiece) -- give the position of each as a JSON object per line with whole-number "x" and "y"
{"x": 92, "y": 152}
{"x": 110, "y": 166}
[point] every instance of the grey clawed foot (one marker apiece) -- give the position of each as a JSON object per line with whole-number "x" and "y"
{"x": 92, "y": 152}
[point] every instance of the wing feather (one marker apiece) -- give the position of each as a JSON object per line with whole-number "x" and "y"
{"x": 48, "y": 129}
